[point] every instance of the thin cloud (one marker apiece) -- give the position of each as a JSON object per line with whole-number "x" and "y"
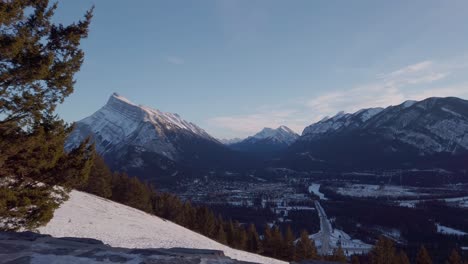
{"x": 175, "y": 60}
{"x": 246, "y": 125}
{"x": 412, "y": 82}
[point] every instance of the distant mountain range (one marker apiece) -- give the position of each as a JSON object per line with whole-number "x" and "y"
{"x": 429, "y": 133}
{"x": 147, "y": 142}
{"x": 268, "y": 142}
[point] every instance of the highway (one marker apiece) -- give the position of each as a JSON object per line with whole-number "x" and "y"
{"x": 325, "y": 230}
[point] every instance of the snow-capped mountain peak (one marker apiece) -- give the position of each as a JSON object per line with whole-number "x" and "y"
{"x": 120, "y": 122}
{"x": 281, "y": 134}
{"x": 339, "y": 121}
{"x": 170, "y": 120}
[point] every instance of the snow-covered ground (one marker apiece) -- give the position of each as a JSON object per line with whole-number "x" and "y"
{"x": 315, "y": 189}
{"x": 89, "y": 216}
{"x": 449, "y": 231}
{"x": 461, "y": 202}
{"x": 372, "y": 190}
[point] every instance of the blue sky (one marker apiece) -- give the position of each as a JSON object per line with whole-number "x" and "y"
{"x": 234, "y": 67}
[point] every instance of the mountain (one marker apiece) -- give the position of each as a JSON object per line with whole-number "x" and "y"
{"x": 147, "y": 142}
{"x": 268, "y": 142}
{"x": 428, "y": 133}
{"x": 230, "y": 141}
{"x": 87, "y": 216}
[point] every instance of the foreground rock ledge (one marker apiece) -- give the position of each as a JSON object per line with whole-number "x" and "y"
{"x": 29, "y": 247}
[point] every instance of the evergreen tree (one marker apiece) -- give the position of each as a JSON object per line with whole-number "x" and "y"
{"x": 241, "y": 237}
{"x": 383, "y": 252}
{"x": 277, "y": 243}
{"x": 268, "y": 244}
{"x": 230, "y": 232}
{"x": 402, "y": 258}
{"x": 38, "y": 60}
{"x": 339, "y": 255}
{"x": 189, "y": 215}
{"x": 454, "y": 258}
{"x": 253, "y": 240}
{"x": 130, "y": 191}
{"x": 423, "y": 256}
{"x": 100, "y": 179}
{"x": 305, "y": 248}
{"x": 355, "y": 260}
{"x": 221, "y": 235}
{"x": 206, "y": 221}
{"x": 289, "y": 250}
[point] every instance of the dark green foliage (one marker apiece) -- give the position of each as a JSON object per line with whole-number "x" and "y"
{"x": 383, "y": 252}
{"x": 289, "y": 250}
{"x": 338, "y": 255}
{"x": 132, "y": 192}
{"x": 355, "y": 260}
{"x": 454, "y": 258}
{"x": 100, "y": 179}
{"x": 305, "y": 248}
{"x": 206, "y": 221}
{"x": 220, "y": 234}
{"x": 402, "y": 258}
{"x": 240, "y": 237}
{"x": 38, "y": 60}
{"x": 254, "y": 243}
{"x": 268, "y": 246}
{"x": 230, "y": 232}
{"x": 423, "y": 256}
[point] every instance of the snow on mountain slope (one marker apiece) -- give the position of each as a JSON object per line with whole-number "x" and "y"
{"x": 433, "y": 125}
{"x": 282, "y": 134}
{"x": 267, "y": 143}
{"x": 88, "y": 216}
{"x": 121, "y": 122}
{"x": 230, "y": 141}
{"x": 340, "y": 121}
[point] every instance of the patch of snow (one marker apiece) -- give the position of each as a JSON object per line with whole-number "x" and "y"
{"x": 408, "y": 103}
{"x": 372, "y": 190}
{"x": 230, "y": 141}
{"x": 367, "y": 114}
{"x": 89, "y": 216}
{"x": 461, "y": 202}
{"x": 257, "y": 178}
{"x": 449, "y": 231}
{"x": 451, "y": 112}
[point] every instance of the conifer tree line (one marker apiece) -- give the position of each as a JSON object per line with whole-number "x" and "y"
{"x": 385, "y": 252}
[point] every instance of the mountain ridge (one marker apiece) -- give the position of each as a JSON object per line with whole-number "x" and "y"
{"x": 409, "y": 134}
